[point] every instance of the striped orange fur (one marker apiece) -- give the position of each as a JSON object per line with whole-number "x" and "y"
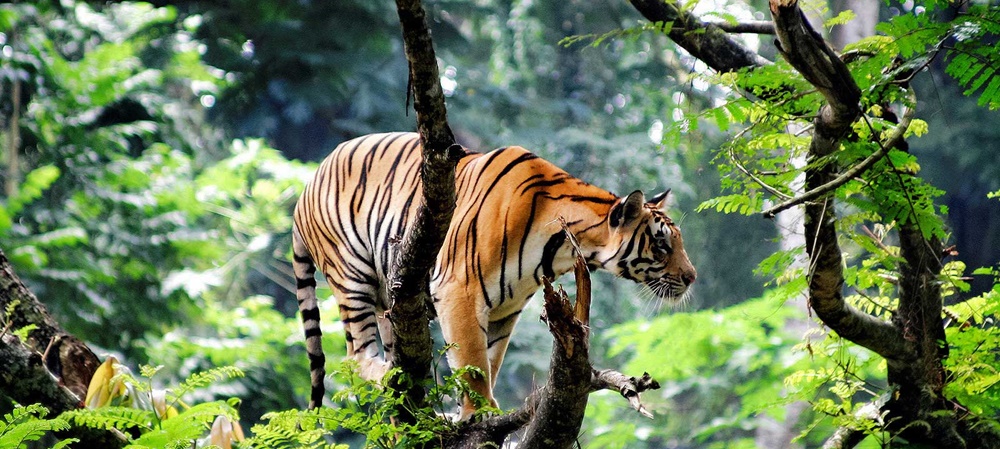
{"x": 506, "y": 234}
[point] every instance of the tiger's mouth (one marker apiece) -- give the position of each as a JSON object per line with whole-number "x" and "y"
{"x": 670, "y": 288}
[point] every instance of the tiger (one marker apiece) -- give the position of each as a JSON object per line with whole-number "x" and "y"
{"x": 506, "y": 235}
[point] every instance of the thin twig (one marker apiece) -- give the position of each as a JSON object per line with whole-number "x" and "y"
{"x": 891, "y": 142}
{"x": 754, "y": 178}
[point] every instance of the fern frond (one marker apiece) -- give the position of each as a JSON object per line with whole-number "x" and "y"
{"x": 26, "y": 424}
{"x": 206, "y": 378}
{"x": 113, "y": 417}
{"x": 743, "y": 204}
{"x": 291, "y": 428}
{"x": 974, "y": 65}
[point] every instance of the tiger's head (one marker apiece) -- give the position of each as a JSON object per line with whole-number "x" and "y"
{"x": 645, "y": 245}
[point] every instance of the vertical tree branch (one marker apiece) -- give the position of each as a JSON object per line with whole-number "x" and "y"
{"x": 408, "y": 291}
{"x": 563, "y": 400}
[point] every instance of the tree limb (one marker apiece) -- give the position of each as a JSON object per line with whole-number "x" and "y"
{"x": 705, "y": 41}
{"x": 846, "y": 437}
{"x": 51, "y": 367}
{"x": 410, "y": 300}
{"x": 563, "y": 400}
{"x": 752, "y": 27}
{"x": 629, "y": 387}
{"x": 806, "y": 50}
{"x": 808, "y": 53}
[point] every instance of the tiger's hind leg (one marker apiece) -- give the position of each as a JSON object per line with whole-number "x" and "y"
{"x": 361, "y": 325}
{"x": 498, "y": 337}
{"x": 462, "y": 328}
{"x": 385, "y": 333}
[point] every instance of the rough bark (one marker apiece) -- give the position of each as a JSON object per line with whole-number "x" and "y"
{"x": 411, "y": 306}
{"x": 703, "y": 40}
{"x": 50, "y": 367}
{"x": 563, "y": 399}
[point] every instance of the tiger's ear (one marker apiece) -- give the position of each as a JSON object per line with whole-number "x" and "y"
{"x": 660, "y": 200}
{"x": 627, "y": 209}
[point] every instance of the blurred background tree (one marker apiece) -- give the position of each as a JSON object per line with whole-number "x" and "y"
{"x": 153, "y": 152}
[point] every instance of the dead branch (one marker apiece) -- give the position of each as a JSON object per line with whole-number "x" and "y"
{"x": 563, "y": 400}
{"x": 554, "y": 413}
{"x": 629, "y": 387}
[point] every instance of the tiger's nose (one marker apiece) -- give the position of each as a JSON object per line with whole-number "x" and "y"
{"x": 688, "y": 278}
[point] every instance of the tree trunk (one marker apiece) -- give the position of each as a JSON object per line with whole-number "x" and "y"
{"x": 50, "y": 367}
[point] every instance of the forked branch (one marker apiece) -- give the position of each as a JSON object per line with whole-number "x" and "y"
{"x": 808, "y": 53}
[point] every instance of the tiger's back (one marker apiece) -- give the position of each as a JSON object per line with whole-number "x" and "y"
{"x": 505, "y": 235}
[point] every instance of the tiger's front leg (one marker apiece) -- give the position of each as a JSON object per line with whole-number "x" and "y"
{"x": 466, "y": 330}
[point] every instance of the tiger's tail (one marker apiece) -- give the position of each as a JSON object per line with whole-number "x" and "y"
{"x": 305, "y": 292}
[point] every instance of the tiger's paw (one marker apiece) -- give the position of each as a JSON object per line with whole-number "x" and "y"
{"x": 373, "y": 369}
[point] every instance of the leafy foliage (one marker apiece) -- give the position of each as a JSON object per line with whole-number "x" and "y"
{"x": 136, "y": 214}
{"x": 710, "y": 361}
{"x": 365, "y": 408}
{"x": 28, "y": 423}
{"x": 148, "y": 416}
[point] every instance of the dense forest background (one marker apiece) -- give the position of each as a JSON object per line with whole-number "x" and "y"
{"x": 153, "y": 153}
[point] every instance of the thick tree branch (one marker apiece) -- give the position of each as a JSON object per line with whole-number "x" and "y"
{"x": 806, "y": 50}
{"x": 410, "y": 299}
{"x": 753, "y": 27}
{"x": 66, "y": 357}
{"x": 27, "y": 380}
{"x": 707, "y": 42}
{"x": 808, "y": 53}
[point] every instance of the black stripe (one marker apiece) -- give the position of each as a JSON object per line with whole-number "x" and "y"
{"x": 549, "y": 253}
{"x": 316, "y": 361}
{"x": 301, "y": 283}
{"x": 314, "y": 332}
{"x": 497, "y": 340}
{"x": 364, "y": 345}
{"x": 359, "y": 317}
{"x": 310, "y": 314}
{"x": 510, "y": 166}
{"x": 500, "y": 322}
